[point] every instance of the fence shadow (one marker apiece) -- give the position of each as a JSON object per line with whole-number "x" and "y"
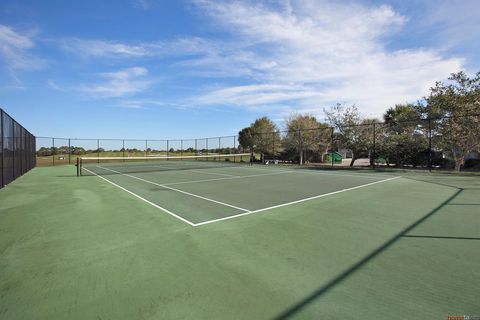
{"x": 439, "y": 237}
{"x": 296, "y": 308}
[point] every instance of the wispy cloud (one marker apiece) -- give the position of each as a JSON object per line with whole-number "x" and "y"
{"x": 15, "y": 50}
{"x": 142, "y": 4}
{"x": 290, "y": 55}
{"x": 101, "y": 48}
{"x": 120, "y": 83}
{"x": 52, "y": 84}
{"x": 181, "y": 48}
{"x": 144, "y": 103}
{"x": 317, "y": 53}
{"x": 255, "y": 95}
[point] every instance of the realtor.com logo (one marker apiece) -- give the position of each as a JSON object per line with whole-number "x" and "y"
{"x": 463, "y": 317}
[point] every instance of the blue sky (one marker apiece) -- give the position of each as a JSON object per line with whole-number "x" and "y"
{"x": 185, "y": 69}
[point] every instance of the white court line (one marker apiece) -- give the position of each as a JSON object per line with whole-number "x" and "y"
{"x": 310, "y": 171}
{"x": 177, "y": 190}
{"x": 215, "y": 173}
{"x": 293, "y": 202}
{"x": 247, "y": 212}
{"x": 143, "y": 199}
{"x": 199, "y": 171}
{"x": 231, "y": 178}
{"x": 187, "y": 169}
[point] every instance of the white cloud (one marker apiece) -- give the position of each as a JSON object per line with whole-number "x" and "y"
{"x": 100, "y": 48}
{"x": 15, "y": 50}
{"x": 120, "y": 83}
{"x": 254, "y": 95}
{"x": 181, "y": 48}
{"x": 310, "y": 54}
{"x": 290, "y": 55}
{"x": 52, "y": 84}
{"x": 143, "y": 103}
{"x": 142, "y": 4}
{"x": 456, "y": 21}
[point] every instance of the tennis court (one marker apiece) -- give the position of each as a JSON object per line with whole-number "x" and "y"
{"x": 200, "y": 192}
{"x": 230, "y": 240}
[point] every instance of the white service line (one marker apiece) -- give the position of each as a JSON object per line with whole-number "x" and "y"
{"x": 214, "y": 173}
{"x": 200, "y": 171}
{"x": 143, "y": 199}
{"x": 231, "y": 178}
{"x": 311, "y": 171}
{"x": 293, "y": 202}
{"x": 177, "y": 190}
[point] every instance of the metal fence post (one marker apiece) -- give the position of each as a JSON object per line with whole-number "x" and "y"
{"x": 13, "y": 150}
{"x": 181, "y": 149}
{"x": 146, "y": 149}
{"x": 331, "y": 149}
{"x": 374, "y": 147}
{"x": 273, "y": 144}
{"x": 34, "y": 150}
{"x": 234, "y": 148}
{"x": 429, "y": 144}
{"x": 206, "y": 143}
{"x": 53, "y": 151}
{"x": 98, "y": 150}
{"x": 69, "y": 150}
{"x": 168, "y": 151}
{"x": 123, "y": 148}
{"x": 2, "y": 151}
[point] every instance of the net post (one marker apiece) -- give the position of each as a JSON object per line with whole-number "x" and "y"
{"x": 53, "y": 151}
{"x": 78, "y": 166}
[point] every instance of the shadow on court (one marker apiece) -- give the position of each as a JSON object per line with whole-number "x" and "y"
{"x": 301, "y": 305}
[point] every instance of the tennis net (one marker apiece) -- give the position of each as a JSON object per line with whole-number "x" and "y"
{"x": 127, "y": 165}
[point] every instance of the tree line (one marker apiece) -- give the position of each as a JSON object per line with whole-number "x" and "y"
{"x": 73, "y": 150}
{"x": 440, "y": 130}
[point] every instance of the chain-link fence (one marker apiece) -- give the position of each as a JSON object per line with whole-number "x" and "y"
{"x": 17, "y": 149}
{"x": 56, "y": 151}
{"x": 436, "y": 143}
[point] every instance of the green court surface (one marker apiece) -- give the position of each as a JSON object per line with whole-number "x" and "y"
{"x": 239, "y": 242}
